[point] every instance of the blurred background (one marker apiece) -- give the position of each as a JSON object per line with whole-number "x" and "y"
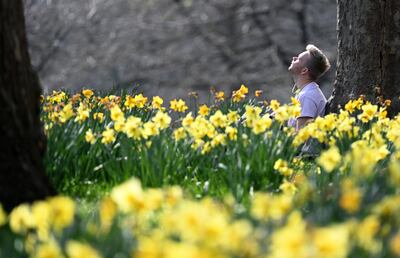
{"x": 172, "y": 47}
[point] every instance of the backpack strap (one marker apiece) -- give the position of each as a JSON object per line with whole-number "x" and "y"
{"x": 328, "y": 104}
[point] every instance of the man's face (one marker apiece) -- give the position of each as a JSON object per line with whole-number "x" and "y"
{"x": 298, "y": 65}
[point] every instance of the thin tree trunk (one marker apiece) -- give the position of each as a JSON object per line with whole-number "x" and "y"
{"x": 368, "y": 52}
{"x": 22, "y": 176}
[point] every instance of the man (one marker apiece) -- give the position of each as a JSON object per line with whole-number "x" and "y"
{"x": 306, "y": 68}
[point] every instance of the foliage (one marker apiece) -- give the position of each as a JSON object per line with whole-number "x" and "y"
{"x": 242, "y": 191}
{"x": 223, "y": 149}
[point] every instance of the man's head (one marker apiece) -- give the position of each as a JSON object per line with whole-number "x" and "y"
{"x": 311, "y": 64}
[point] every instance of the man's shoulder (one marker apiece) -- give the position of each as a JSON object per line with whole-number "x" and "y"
{"x": 313, "y": 92}
{"x": 312, "y": 95}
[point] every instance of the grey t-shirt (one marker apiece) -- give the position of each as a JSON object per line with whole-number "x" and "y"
{"x": 312, "y": 102}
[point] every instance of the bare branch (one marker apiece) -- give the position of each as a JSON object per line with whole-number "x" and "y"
{"x": 59, "y": 37}
{"x": 302, "y": 19}
{"x": 226, "y": 53}
{"x": 263, "y": 27}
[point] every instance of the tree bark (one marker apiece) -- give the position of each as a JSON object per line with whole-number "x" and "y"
{"x": 368, "y": 52}
{"x": 22, "y": 175}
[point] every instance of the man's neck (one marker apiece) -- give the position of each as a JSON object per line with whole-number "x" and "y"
{"x": 301, "y": 82}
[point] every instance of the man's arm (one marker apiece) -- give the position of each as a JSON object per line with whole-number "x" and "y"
{"x": 302, "y": 121}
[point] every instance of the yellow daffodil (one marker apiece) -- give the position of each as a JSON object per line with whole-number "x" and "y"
{"x": 282, "y": 167}
{"x": 350, "y": 199}
{"x": 98, "y": 116}
{"x": 138, "y": 101}
{"x": 108, "y": 210}
{"x": 133, "y": 127}
{"x": 369, "y": 112}
{"x": 395, "y": 244}
{"x": 157, "y": 102}
{"x": 231, "y": 132}
{"x": 57, "y": 97}
{"x": 366, "y": 232}
{"x": 90, "y": 137}
{"x": 21, "y": 219}
{"x": 3, "y": 216}
{"x": 218, "y": 119}
{"x": 108, "y": 136}
{"x": 288, "y": 187}
{"x": 179, "y": 134}
{"x": 87, "y": 93}
{"x": 129, "y": 196}
{"x": 331, "y": 241}
{"x": 274, "y": 104}
{"x": 219, "y": 96}
{"x": 162, "y": 120}
{"x": 66, "y": 113}
{"x": 150, "y": 129}
{"x": 330, "y": 159}
{"x": 82, "y": 113}
{"x": 63, "y": 212}
{"x": 178, "y": 105}
{"x": 76, "y": 249}
{"x": 204, "y": 110}
{"x": 48, "y": 250}
{"x": 290, "y": 240}
{"x": 117, "y": 114}
{"x": 232, "y": 117}
{"x": 240, "y": 94}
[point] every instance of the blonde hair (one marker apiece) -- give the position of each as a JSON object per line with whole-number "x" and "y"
{"x": 318, "y": 64}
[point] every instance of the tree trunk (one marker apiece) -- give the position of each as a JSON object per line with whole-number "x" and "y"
{"x": 368, "y": 52}
{"x": 22, "y": 175}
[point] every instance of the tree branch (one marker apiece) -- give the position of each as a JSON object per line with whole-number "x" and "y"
{"x": 226, "y": 53}
{"x": 263, "y": 27}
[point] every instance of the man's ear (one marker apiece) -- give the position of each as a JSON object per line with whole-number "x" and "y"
{"x": 304, "y": 71}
